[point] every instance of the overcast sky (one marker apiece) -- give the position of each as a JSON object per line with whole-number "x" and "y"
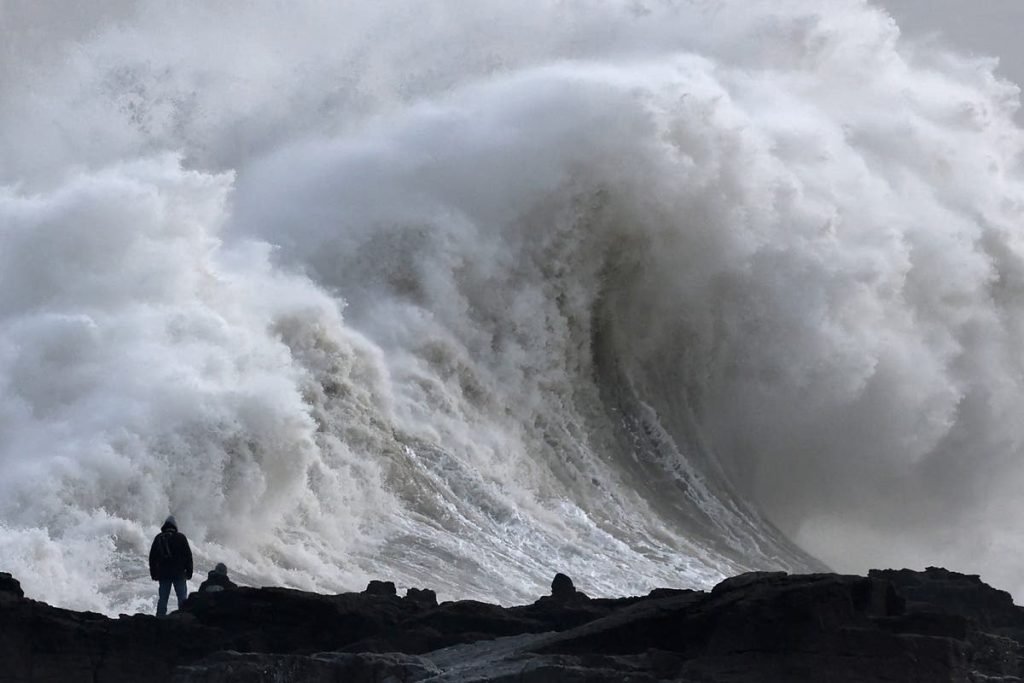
{"x": 990, "y": 27}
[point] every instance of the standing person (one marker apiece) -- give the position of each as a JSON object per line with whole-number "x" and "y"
{"x": 170, "y": 563}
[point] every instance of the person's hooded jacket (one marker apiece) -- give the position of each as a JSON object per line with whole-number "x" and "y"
{"x": 170, "y": 557}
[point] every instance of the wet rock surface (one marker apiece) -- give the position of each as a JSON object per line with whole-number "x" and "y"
{"x": 903, "y": 625}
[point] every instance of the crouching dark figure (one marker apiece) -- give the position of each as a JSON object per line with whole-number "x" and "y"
{"x": 217, "y": 580}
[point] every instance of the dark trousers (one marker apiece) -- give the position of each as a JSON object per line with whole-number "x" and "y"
{"x": 180, "y": 591}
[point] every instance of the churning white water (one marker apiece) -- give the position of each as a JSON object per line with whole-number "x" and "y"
{"x": 461, "y": 294}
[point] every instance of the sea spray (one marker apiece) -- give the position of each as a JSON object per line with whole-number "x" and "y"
{"x": 469, "y": 295}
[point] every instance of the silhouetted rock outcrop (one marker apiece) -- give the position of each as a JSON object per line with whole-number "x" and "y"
{"x": 945, "y": 592}
{"x": 562, "y": 587}
{"x": 929, "y": 626}
{"x": 10, "y": 586}
{"x": 424, "y": 597}
{"x": 563, "y": 590}
{"x": 381, "y": 588}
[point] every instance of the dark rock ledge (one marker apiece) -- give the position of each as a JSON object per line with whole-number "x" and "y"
{"x": 931, "y": 626}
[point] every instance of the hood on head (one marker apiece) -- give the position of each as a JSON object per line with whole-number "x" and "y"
{"x": 169, "y": 523}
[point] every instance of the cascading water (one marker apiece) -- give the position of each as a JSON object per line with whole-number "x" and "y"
{"x": 650, "y": 293}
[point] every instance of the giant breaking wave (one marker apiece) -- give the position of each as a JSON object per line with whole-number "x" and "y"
{"x": 465, "y": 293}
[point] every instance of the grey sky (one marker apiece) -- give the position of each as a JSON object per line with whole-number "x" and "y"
{"x": 983, "y": 27}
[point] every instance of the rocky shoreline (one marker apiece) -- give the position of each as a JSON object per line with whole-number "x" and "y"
{"x": 892, "y": 625}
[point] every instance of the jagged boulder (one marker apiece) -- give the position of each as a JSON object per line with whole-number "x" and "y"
{"x": 10, "y": 586}
{"x": 381, "y": 588}
{"x": 562, "y": 587}
{"x": 937, "y": 590}
{"x": 775, "y": 628}
{"x": 424, "y": 597}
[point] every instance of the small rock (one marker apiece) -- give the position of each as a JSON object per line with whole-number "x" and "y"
{"x": 9, "y": 584}
{"x": 562, "y": 585}
{"x": 424, "y": 597}
{"x": 562, "y": 589}
{"x": 380, "y": 588}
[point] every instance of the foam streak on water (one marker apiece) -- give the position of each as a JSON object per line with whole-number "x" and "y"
{"x": 467, "y": 295}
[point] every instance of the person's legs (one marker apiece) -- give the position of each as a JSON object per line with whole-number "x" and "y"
{"x": 180, "y": 590}
{"x": 164, "y": 594}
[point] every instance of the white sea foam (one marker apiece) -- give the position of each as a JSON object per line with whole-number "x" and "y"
{"x": 473, "y": 294}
